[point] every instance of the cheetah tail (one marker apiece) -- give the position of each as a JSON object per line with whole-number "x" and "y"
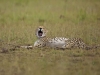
{"x": 92, "y": 47}
{"x": 96, "y": 46}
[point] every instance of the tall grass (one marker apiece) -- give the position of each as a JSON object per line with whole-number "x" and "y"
{"x": 72, "y": 18}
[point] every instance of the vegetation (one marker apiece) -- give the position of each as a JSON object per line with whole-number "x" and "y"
{"x": 66, "y": 18}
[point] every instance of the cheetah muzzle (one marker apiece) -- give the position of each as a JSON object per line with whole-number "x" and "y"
{"x": 40, "y": 32}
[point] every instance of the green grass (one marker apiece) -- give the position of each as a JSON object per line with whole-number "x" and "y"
{"x": 65, "y": 18}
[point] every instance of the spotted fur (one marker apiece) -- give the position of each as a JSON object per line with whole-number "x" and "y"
{"x": 59, "y": 42}
{"x": 76, "y": 43}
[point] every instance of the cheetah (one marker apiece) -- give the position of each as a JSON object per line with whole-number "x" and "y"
{"x": 59, "y": 42}
{"x": 44, "y": 41}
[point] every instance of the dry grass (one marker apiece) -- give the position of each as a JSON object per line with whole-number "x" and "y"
{"x": 68, "y": 18}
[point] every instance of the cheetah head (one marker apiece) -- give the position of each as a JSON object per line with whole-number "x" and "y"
{"x": 41, "y": 32}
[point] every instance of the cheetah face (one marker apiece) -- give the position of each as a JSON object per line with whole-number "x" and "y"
{"x": 41, "y": 32}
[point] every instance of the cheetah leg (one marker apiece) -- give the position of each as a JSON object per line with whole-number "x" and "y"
{"x": 27, "y": 47}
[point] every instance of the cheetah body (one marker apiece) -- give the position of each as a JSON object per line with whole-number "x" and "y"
{"x": 58, "y": 42}
{"x": 61, "y": 42}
